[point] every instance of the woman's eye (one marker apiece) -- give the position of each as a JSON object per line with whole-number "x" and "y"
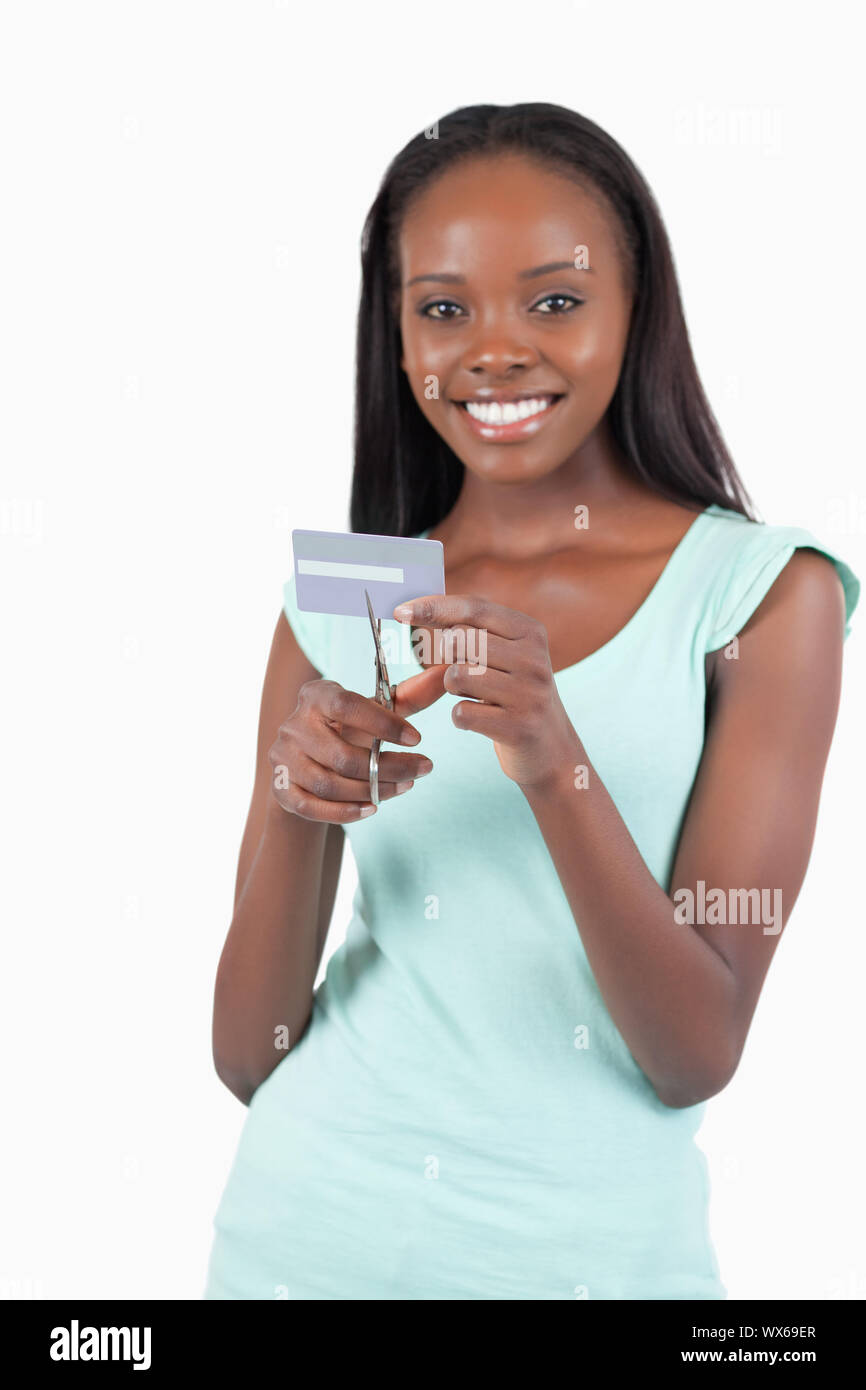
{"x": 552, "y": 304}
{"x": 440, "y": 304}
{"x": 559, "y": 300}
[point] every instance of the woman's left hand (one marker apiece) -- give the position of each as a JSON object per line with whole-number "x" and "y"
{"x": 506, "y": 675}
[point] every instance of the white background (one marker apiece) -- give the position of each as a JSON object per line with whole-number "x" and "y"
{"x": 184, "y": 186}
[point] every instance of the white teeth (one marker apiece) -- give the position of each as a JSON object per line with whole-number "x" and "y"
{"x": 506, "y": 412}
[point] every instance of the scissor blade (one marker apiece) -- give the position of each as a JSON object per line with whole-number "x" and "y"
{"x": 372, "y": 617}
{"x": 381, "y": 668}
{"x": 375, "y": 626}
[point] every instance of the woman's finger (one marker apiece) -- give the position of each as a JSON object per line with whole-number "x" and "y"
{"x": 324, "y": 784}
{"x": 356, "y": 711}
{"x": 419, "y": 691}
{"x": 451, "y": 610}
{"x": 351, "y": 760}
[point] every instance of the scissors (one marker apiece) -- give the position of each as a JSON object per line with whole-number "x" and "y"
{"x": 385, "y": 693}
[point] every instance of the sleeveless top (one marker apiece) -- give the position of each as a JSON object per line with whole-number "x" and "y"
{"x": 442, "y": 1130}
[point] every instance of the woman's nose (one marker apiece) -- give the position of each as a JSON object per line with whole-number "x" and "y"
{"x": 495, "y": 353}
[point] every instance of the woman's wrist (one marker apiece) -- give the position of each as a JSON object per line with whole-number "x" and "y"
{"x": 280, "y": 822}
{"x": 562, "y": 774}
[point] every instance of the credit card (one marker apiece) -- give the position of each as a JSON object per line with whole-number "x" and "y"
{"x": 333, "y": 568}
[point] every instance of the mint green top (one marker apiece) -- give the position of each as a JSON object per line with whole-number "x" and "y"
{"x": 440, "y": 1131}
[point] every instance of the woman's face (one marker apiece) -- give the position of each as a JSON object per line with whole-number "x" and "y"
{"x": 494, "y": 313}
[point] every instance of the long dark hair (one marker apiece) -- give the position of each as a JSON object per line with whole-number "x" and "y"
{"x": 406, "y": 478}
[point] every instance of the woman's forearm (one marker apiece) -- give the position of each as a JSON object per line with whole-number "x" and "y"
{"x": 264, "y": 986}
{"x": 671, "y": 996}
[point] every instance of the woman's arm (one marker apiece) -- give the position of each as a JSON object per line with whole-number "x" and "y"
{"x": 316, "y": 736}
{"x": 683, "y": 996}
{"x": 284, "y": 894}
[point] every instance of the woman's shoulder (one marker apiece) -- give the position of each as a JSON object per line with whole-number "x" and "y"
{"x": 743, "y": 560}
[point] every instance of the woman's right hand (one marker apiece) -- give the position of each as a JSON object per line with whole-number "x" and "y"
{"x": 321, "y": 756}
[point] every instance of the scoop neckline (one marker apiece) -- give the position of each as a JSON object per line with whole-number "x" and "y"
{"x": 638, "y": 616}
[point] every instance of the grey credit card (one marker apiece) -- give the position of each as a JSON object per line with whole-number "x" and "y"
{"x": 333, "y": 568}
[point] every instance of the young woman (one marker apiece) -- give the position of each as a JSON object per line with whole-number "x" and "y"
{"x": 559, "y": 940}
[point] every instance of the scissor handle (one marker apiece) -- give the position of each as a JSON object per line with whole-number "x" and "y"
{"x": 374, "y": 752}
{"x": 374, "y": 771}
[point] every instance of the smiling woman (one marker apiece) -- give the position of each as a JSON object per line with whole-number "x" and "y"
{"x": 518, "y": 323}
{"x": 495, "y": 1091}
{"x": 509, "y": 417}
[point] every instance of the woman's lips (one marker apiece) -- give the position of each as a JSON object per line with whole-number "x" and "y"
{"x": 536, "y": 410}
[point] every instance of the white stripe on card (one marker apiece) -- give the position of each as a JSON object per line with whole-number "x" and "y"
{"x": 333, "y": 569}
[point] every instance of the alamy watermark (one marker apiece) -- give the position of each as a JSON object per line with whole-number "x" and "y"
{"x": 720, "y": 907}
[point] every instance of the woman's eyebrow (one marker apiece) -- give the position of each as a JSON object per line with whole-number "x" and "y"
{"x": 552, "y": 265}
{"x": 442, "y": 279}
{"x": 445, "y": 279}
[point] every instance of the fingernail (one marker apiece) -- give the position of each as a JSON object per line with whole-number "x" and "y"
{"x": 403, "y": 787}
{"x": 368, "y": 811}
{"x": 403, "y": 612}
{"x": 410, "y": 736}
{"x": 424, "y": 768}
